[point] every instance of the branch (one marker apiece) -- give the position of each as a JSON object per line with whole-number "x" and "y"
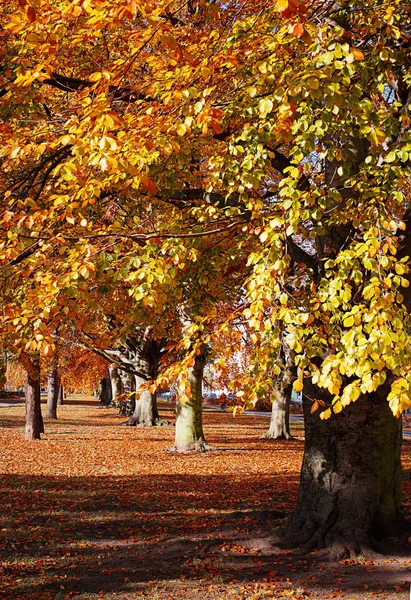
{"x": 107, "y": 355}
{"x": 72, "y": 84}
{"x": 23, "y": 255}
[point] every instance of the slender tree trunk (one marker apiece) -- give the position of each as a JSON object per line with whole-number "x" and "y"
{"x": 116, "y": 385}
{"x": 105, "y": 394}
{"x": 128, "y": 399}
{"x": 3, "y": 369}
{"x": 34, "y": 420}
{"x": 189, "y": 434}
{"x": 53, "y": 391}
{"x": 350, "y": 487}
{"x": 60, "y": 400}
{"x": 280, "y": 415}
{"x": 280, "y": 412}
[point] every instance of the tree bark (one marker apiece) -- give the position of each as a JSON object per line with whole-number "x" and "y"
{"x": 60, "y": 400}
{"x": 145, "y": 408}
{"x": 128, "y": 398}
{"x": 34, "y": 420}
{"x": 350, "y": 487}
{"x": 105, "y": 393}
{"x": 189, "y": 434}
{"x": 116, "y": 385}
{"x": 53, "y": 392}
{"x": 280, "y": 413}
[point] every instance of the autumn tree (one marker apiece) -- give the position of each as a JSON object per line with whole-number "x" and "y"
{"x": 144, "y": 141}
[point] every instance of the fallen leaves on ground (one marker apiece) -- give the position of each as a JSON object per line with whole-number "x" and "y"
{"x": 97, "y": 510}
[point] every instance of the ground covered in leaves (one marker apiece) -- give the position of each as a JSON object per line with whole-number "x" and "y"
{"x": 95, "y": 510}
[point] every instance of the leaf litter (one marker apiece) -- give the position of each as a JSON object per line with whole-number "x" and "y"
{"x": 95, "y": 510}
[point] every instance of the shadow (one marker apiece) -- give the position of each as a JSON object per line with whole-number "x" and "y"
{"x": 11, "y": 422}
{"x": 95, "y": 535}
{"x": 70, "y": 401}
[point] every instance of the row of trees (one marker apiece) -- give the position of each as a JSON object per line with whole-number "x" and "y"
{"x": 185, "y": 171}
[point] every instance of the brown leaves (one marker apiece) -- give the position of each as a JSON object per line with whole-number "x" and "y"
{"x": 31, "y": 14}
{"x": 96, "y": 507}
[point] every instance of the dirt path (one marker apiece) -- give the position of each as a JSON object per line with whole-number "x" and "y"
{"x": 95, "y": 510}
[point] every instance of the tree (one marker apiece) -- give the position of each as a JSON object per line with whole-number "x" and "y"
{"x": 34, "y": 420}
{"x": 53, "y": 392}
{"x": 148, "y": 354}
{"x": 281, "y": 399}
{"x": 269, "y": 137}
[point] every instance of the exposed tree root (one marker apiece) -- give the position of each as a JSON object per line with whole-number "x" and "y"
{"x": 163, "y": 423}
{"x": 133, "y": 422}
{"x": 199, "y": 446}
{"x": 339, "y": 543}
{"x": 284, "y": 436}
{"x": 126, "y": 412}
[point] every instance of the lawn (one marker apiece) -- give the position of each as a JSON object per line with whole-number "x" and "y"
{"x": 98, "y": 510}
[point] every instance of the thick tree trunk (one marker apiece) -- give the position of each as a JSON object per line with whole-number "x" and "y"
{"x": 189, "y": 434}
{"x": 34, "y": 420}
{"x": 145, "y": 412}
{"x": 53, "y": 392}
{"x": 350, "y": 488}
{"x": 145, "y": 408}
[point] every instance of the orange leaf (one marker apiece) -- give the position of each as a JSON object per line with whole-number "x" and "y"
{"x": 298, "y": 30}
{"x": 357, "y": 54}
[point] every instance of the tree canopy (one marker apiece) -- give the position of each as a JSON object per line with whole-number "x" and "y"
{"x": 163, "y": 154}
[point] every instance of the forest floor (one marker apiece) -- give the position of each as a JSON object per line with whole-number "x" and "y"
{"x": 95, "y": 510}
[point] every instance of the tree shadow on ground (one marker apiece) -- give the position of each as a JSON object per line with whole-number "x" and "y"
{"x": 92, "y": 535}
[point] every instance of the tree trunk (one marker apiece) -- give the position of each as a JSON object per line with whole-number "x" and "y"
{"x": 350, "y": 487}
{"x": 34, "y": 420}
{"x": 128, "y": 398}
{"x": 280, "y": 412}
{"x": 145, "y": 412}
{"x": 60, "y": 400}
{"x": 189, "y": 434}
{"x": 280, "y": 415}
{"x": 145, "y": 408}
{"x": 53, "y": 392}
{"x": 116, "y": 385}
{"x": 105, "y": 394}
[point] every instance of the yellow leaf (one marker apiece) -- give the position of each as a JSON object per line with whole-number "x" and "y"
{"x": 265, "y": 106}
{"x": 348, "y": 321}
{"x": 181, "y": 129}
{"x": 282, "y": 5}
{"x": 84, "y": 271}
{"x": 298, "y": 386}
{"x": 326, "y": 414}
{"x": 95, "y": 77}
